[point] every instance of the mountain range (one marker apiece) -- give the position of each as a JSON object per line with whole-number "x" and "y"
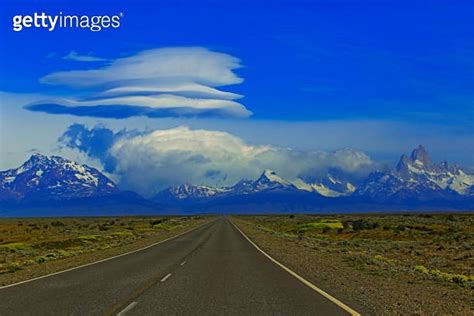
{"x": 416, "y": 177}
{"x": 57, "y": 185}
{"x": 268, "y": 182}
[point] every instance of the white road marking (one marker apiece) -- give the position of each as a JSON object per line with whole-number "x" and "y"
{"x": 106, "y": 259}
{"x": 166, "y": 277}
{"x": 127, "y": 309}
{"x": 300, "y": 278}
{"x": 183, "y": 263}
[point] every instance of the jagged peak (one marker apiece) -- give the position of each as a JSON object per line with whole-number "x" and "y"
{"x": 402, "y": 166}
{"x": 55, "y": 177}
{"x": 271, "y": 176}
{"x": 37, "y": 156}
{"x": 419, "y": 158}
{"x": 420, "y": 155}
{"x": 268, "y": 172}
{"x": 36, "y": 159}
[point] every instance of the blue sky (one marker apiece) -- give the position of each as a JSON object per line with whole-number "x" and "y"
{"x": 395, "y": 72}
{"x": 330, "y": 59}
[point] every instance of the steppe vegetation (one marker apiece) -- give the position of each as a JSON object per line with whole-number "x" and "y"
{"x": 386, "y": 264}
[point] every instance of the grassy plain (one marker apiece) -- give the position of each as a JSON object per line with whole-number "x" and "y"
{"x": 407, "y": 264}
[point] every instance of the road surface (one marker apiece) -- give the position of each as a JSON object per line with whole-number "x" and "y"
{"x": 212, "y": 270}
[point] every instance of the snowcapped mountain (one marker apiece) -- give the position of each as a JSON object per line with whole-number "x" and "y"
{"x": 268, "y": 182}
{"x": 329, "y": 186}
{"x": 57, "y": 186}
{"x": 54, "y": 186}
{"x": 43, "y": 177}
{"x": 189, "y": 192}
{"x": 415, "y": 176}
{"x": 416, "y": 182}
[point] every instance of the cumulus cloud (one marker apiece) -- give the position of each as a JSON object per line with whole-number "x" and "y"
{"x": 165, "y": 82}
{"x": 73, "y": 55}
{"x": 150, "y": 161}
{"x": 94, "y": 142}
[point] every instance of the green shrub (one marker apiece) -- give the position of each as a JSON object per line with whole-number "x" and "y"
{"x": 123, "y": 234}
{"x": 12, "y": 267}
{"x": 15, "y": 246}
{"x": 89, "y": 238}
{"x": 157, "y": 221}
{"x": 362, "y": 224}
{"x": 450, "y": 217}
{"x": 324, "y": 224}
{"x": 57, "y": 224}
{"x": 422, "y": 269}
{"x": 346, "y": 224}
{"x": 449, "y": 277}
{"x": 103, "y": 227}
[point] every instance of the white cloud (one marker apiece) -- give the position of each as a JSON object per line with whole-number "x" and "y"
{"x": 73, "y": 55}
{"x": 164, "y": 82}
{"x": 150, "y": 162}
{"x": 162, "y": 65}
{"x": 191, "y": 89}
{"x": 154, "y": 105}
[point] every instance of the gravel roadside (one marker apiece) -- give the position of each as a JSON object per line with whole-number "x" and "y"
{"x": 369, "y": 291}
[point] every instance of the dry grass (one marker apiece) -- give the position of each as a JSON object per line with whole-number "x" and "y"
{"x": 383, "y": 264}
{"x": 442, "y": 244}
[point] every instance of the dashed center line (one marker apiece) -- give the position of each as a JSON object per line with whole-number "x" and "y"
{"x": 166, "y": 277}
{"x": 127, "y": 309}
{"x": 183, "y": 263}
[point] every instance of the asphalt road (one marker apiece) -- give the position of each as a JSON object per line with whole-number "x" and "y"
{"x": 212, "y": 270}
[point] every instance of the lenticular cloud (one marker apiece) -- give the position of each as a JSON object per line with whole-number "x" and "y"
{"x": 165, "y": 82}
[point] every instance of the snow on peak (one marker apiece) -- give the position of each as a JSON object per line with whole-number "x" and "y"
{"x": 55, "y": 177}
{"x": 328, "y": 186}
{"x": 190, "y": 191}
{"x": 269, "y": 181}
{"x": 271, "y": 176}
{"x": 417, "y": 174}
{"x": 420, "y": 156}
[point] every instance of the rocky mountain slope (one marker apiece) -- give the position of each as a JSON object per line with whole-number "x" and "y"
{"x": 56, "y": 186}
{"x": 43, "y": 177}
{"x": 417, "y": 177}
